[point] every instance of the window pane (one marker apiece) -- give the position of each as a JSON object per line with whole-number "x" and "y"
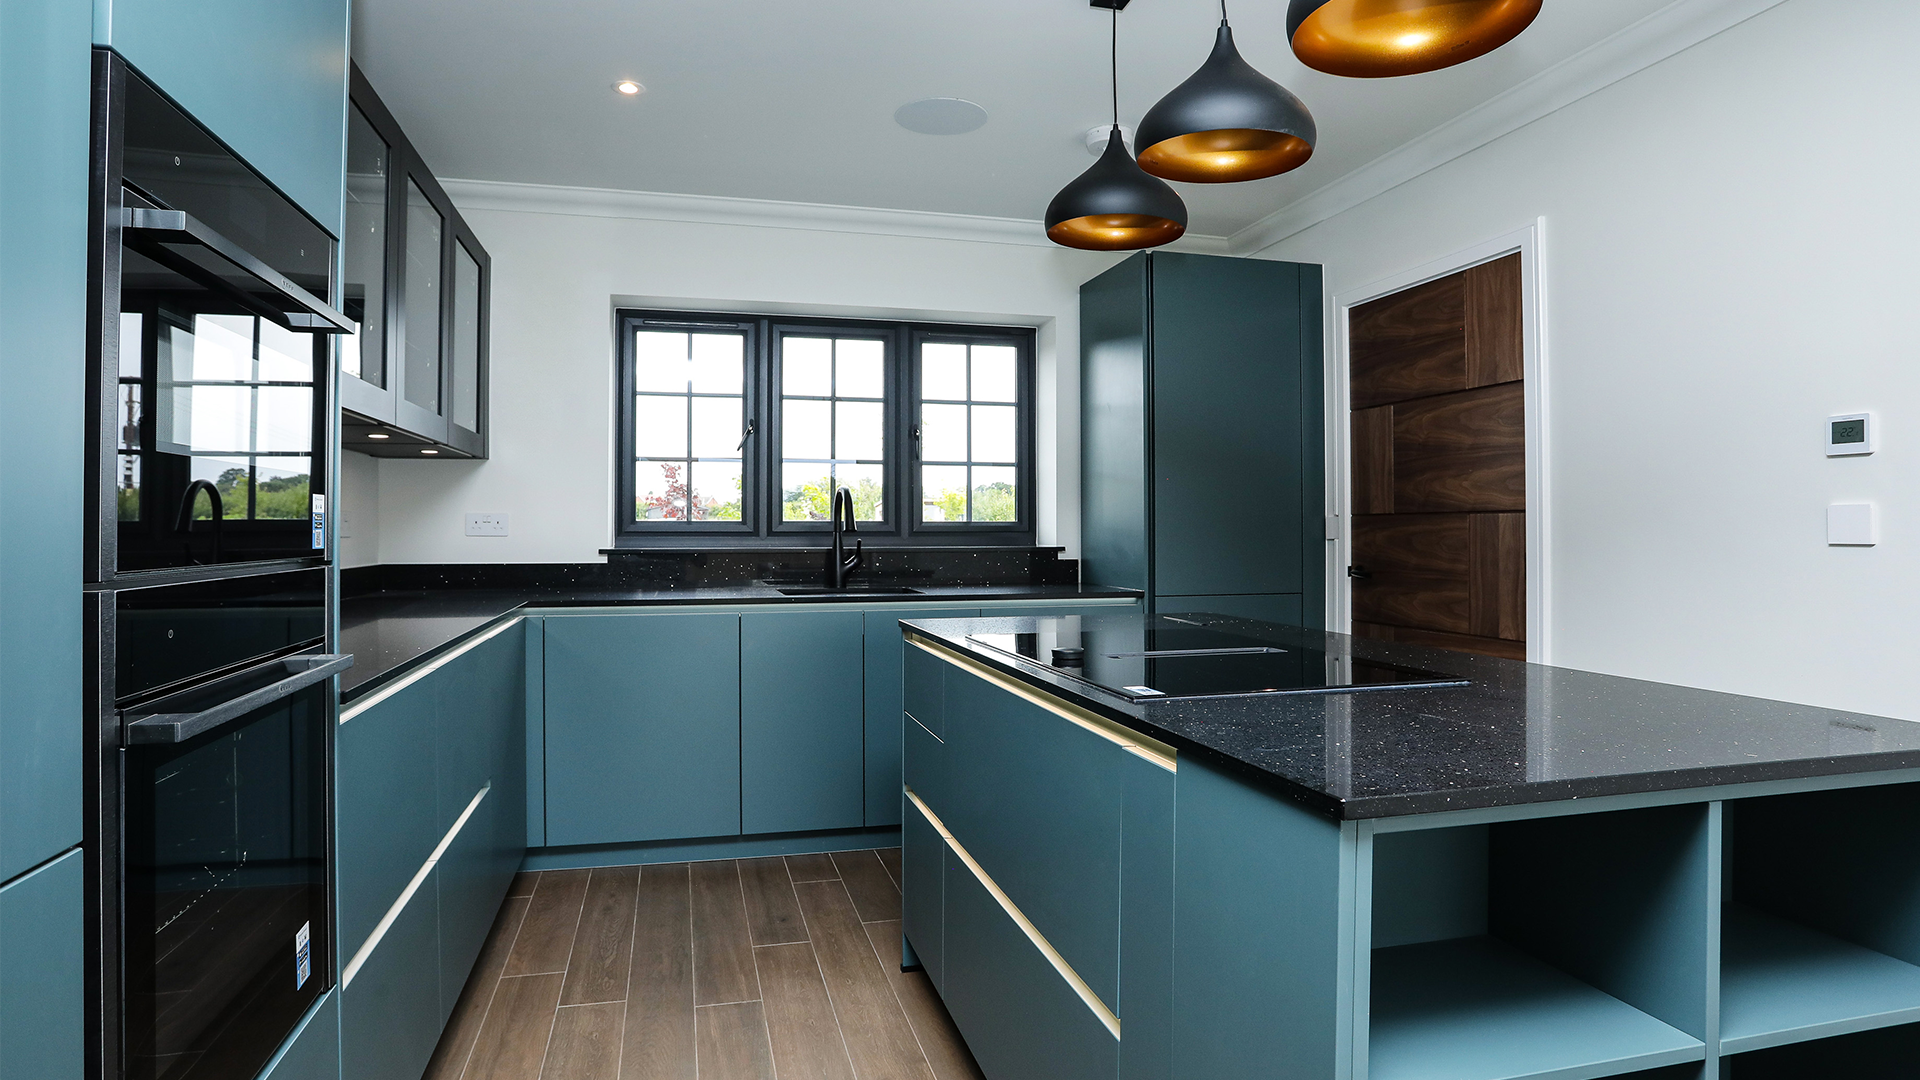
{"x": 466, "y": 338}
{"x": 806, "y": 429}
{"x": 660, "y": 362}
{"x": 806, "y": 366}
{"x": 993, "y": 495}
{"x": 995, "y": 373}
{"x": 660, "y": 426}
{"x": 285, "y": 355}
{"x": 993, "y": 427}
{"x": 281, "y": 487}
{"x": 219, "y": 347}
{"x": 284, "y": 423}
{"x": 660, "y": 491}
{"x": 943, "y": 493}
{"x": 363, "y": 252}
{"x": 719, "y": 363}
{"x": 718, "y": 424}
{"x": 861, "y": 430}
{"x": 716, "y": 491}
{"x": 860, "y": 368}
{"x": 806, "y": 491}
{"x": 867, "y": 483}
{"x": 422, "y": 288}
{"x": 943, "y": 372}
{"x": 943, "y": 432}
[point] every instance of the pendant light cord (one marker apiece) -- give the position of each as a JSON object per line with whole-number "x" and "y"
{"x": 1116, "y": 66}
{"x": 1223, "y": 12}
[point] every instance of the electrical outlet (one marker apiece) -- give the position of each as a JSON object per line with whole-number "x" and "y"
{"x": 486, "y": 524}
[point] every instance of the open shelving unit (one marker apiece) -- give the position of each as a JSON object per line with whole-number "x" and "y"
{"x": 1821, "y": 921}
{"x": 1567, "y": 948}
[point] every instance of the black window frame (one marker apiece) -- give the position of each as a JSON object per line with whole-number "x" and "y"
{"x": 762, "y": 502}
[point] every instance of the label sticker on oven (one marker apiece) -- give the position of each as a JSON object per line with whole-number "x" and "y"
{"x": 302, "y": 955}
{"x": 319, "y": 514}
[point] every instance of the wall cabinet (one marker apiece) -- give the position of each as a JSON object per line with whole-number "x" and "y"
{"x": 1201, "y": 409}
{"x": 435, "y": 765}
{"x": 417, "y": 281}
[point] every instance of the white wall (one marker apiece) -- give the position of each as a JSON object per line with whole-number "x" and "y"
{"x": 1730, "y": 241}
{"x": 559, "y": 277}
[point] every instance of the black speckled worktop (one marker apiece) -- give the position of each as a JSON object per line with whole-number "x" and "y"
{"x": 391, "y": 630}
{"x": 1521, "y": 733}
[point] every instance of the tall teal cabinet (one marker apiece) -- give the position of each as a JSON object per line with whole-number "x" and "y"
{"x": 1202, "y": 461}
{"x": 270, "y": 79}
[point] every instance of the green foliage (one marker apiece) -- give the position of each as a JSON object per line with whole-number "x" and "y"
{"x": 726, "y": 511}
{"x": 994, "y": 502}
{"x": 813, "y": 501}
{"x": 951, "y": 504}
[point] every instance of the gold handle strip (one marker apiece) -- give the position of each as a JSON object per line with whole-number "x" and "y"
{"x": 1060, "y": 965}
{"x": 1133, "y": 742}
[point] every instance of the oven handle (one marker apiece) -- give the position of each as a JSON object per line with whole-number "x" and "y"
{"x": 165, "y": 728}
{"x": 155, "y": 227}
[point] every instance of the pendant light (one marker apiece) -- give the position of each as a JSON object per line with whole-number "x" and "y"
{"x": 1371, "y": 39}
{"x": 1114, "y": 206}
{"x": 1225, "y": 124}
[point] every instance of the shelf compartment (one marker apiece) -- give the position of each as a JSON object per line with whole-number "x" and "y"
{"x": 1480, "y": 1009}
{"x": 1881, "y": 1054}
{"x": 1782, "y": 982}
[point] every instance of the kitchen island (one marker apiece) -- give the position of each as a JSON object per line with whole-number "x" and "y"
{"x": 1510, "y": 871}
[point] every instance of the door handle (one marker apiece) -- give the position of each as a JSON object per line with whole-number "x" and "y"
{"x": 178, "y": 727}
{"x": 1359, "y": 573}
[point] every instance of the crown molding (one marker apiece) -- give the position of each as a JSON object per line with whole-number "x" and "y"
{"x": 761, "y": 213}
{"x": 1665, "y": 33}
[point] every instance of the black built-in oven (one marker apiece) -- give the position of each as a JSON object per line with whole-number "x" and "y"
{"x": 208, "y": 599}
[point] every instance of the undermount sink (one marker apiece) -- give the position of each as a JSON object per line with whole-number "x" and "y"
{"x": 851, "y": 590}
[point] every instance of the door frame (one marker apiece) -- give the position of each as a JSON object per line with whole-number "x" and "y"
{"x": 1530, "y": 243}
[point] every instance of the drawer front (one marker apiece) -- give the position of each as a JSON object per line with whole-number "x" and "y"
{"x": 924, "y": 696}
{"x": 386, "y": 816}
{"x": 472, "y": 876}
{"x": 314, "y": 1051}
{"x": 1021, "y": 1019}
{"x": 1036, "y": 799}
{"x": 923, "y": 893}
{"x": 391, "y": 1013}
{"x": 43, "y": 1006}
{"x": 887, "y": 661}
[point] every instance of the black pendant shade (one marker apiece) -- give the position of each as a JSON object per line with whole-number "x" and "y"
{"x": 1114, "y": 206}
{"x": 1225, "y": 124}
{"x": 1372, "y": 39}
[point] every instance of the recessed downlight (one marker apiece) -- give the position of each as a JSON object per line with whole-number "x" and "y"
{"x": 629, "y": 88}
{"x": 429, "y": 451}
{"x": 379, "y": 435}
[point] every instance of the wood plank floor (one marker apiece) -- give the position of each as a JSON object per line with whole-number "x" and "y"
{"x": 755, "y": 969}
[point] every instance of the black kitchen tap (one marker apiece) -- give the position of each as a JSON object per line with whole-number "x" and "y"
{"x": 839, "y": 563}
{"x": 183, "y": 522}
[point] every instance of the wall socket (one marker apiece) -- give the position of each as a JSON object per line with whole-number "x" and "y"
{"x": 486, "y": 524}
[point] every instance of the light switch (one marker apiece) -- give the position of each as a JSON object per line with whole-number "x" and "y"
{"x": 486, "y": 524}
{"x": 1852, "y": 525}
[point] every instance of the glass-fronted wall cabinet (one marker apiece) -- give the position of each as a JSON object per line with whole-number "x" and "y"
{"x": 413, "y": 380}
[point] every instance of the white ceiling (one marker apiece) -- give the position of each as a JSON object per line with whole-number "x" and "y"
{"x": 774, "y": 99}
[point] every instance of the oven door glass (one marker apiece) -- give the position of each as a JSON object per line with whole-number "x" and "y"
{"x": 225, "y": 874}
{"x": 219, "y": 424}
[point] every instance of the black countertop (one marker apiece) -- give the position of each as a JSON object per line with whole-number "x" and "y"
{"x": 1520, "y": 733}
{"x": 391, "y": 631}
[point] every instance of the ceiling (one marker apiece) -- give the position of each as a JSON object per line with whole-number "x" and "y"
{"x": 772, "y": 99}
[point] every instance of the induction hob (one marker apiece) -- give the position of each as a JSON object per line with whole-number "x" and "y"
{"x": 1161, "y": 658}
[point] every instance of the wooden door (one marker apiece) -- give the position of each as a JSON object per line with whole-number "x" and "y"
{"x": 1439, "y": 463}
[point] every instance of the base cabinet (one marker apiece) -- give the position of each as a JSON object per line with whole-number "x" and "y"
{"x": 391, "y": 1011}
{"x": 314, "y": 1051}
{"x": 642, "y": 727}
{"x": 802, "y": 721}
{"x": 42, "y": 1006}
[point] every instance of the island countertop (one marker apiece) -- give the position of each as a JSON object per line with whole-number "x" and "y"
{"x": 1517, "y": 734}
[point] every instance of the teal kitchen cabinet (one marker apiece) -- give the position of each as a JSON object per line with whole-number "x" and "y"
{"x": 42, "y": 957}
{"x": 885, "y": 648}
{"x": 269, "y": 79}
{"x": 1201, "y": 406}
{"x": 313, "y": 1053}
{"x": 802, "y": 720}
{"x": 431, "y": 827}
{"x": 642, "y": 727}
{"x": 45, "y": 110}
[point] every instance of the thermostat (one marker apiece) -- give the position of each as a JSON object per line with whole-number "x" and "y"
{"x": 1851, "y": 434}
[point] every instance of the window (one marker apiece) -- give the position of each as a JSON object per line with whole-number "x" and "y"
{"x": 738, "y": 429}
